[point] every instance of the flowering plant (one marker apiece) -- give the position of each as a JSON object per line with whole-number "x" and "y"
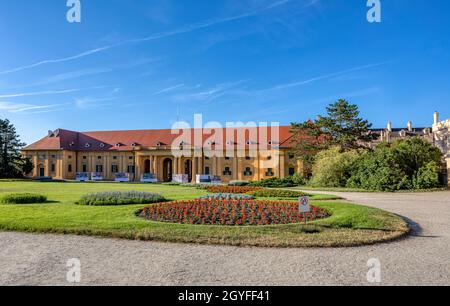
{"x": 230, "y": 212}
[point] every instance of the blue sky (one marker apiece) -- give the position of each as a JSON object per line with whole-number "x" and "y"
{"x": 143, "y": 64}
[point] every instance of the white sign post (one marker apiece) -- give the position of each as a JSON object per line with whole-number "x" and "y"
{"x": 304, "y": 206}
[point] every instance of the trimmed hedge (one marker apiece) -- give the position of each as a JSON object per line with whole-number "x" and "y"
{"x": 238, "y": 183}
{"x": 290, "y": 181}
{"x": 23, "y": 198}
{"x": 120, "y": 198}
{"x": 275, "y": 193}
{"x": 230, "y": 189}
{"x": 226, "y": 196}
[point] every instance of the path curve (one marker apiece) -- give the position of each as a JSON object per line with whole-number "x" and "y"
{"x": 422, "y": 259}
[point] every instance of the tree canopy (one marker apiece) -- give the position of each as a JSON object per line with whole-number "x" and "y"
{"x": 12, "y": 164}
{"x": 342, "y": 127}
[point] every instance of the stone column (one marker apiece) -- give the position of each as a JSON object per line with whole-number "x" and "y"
{"x": 235, "y": 167}
{"x": 194, "y": 169}
{"x": 137, "y": 170}
{"x": 175, "y": 165}
{"x": 281, "y": 165}
{"x": 239, "y": 166}
{"x": 219, "y": 168}
{"x": 154, "y": 165}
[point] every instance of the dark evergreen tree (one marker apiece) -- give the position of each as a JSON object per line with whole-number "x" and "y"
{"x": 12, "y": 164}
{"x": 346, "y": 128}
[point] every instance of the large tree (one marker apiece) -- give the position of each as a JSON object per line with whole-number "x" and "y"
{"x": 346, "y": 128}
{"x": 308, "y": 139}
{"x": 12, "y": 164}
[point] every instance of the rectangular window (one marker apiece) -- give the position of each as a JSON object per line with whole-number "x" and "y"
{"x": 130, "y": 157}
{"x": 99, "y": 157}
{"x": 227, "y": 171}
{"x": 84, "y": 167}
{"x": 52, "y": 168}
{"x": 248, "y": 158}
{"x": 131, "y": 169}
{"x": 114, "y": 168}
{"x": 114, "y": 157}
{"x": 99, "y": 168}
{"x": 291, "y": 171}
{"x": 227, "y": 158}
{"x": 207, "y": 171}
{"x": 248, "y": 171}
{"x": 69, "y": 168}
{"x": 269, "y": 172}
{"x": 84, "y": 157}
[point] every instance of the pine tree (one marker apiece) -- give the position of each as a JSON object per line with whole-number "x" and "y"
{"x": 12, "y": 164}
{"x": 346, "y": 128}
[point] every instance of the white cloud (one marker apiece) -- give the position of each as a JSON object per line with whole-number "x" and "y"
{"x": 182, "y": 30}
{"x": 22, "y": 107}
{"x": 46, "y": 92}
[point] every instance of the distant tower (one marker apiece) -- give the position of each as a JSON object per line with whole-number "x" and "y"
{"x": 436, "y": 118}
{"x": 410, "y": 127}
{"x": 389, "y": 126}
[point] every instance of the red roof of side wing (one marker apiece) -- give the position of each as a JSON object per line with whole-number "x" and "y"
{"x": 128, "y": 140}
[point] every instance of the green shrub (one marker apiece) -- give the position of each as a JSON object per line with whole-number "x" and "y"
{"x": 290, "y": 181}
{"x": 23, "y": 198}
{"x": 333, "y": 168}
{"x": 405, "y": 164}
{"x": 427, "y": 177}
{"x": 276, "y": 193}
{"x": 238, "y": 183}
{"x": 378, "y": 171}
{"x": 120, "y": 198}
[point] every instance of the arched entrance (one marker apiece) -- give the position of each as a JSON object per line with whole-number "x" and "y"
{"x": 188, "y": 169}
{"x": 147, "y": 166}
{"x": 167, "y": 170}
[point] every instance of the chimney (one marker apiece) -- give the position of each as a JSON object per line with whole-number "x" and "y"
{"x": 410, "y": 127}
{"x": 389, "y": 126}
{"x": 436, "y": 118}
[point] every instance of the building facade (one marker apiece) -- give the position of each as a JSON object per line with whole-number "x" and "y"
{"x": 248, "y": 154}
{"x": 232, "y": 154}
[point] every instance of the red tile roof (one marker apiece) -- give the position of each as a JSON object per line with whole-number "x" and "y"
{"x": 129, "y": 140}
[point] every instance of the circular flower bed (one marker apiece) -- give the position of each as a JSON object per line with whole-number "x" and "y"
{"x": 226, "y": 196}
{"x": 228, "y": 212}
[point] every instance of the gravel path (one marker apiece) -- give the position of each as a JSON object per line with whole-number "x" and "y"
{"x": 423, "y": 259}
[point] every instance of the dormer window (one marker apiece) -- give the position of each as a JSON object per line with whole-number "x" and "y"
{"x": 102, "y": 145}
{"x": 230, "y": 142}
{"x": 118, "y": 144}
{"x": 211, "y": 143}
{"x": 87, "y": 145}
{"x": 71, "y": 144}
{"x": 134, "y": 144}
{"x": 158, "y": 144}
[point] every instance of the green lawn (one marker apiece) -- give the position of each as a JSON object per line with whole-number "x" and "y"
{"x": 349, "y": 224}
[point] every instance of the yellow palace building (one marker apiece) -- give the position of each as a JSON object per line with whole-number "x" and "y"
{"x": 230, "y": 154}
